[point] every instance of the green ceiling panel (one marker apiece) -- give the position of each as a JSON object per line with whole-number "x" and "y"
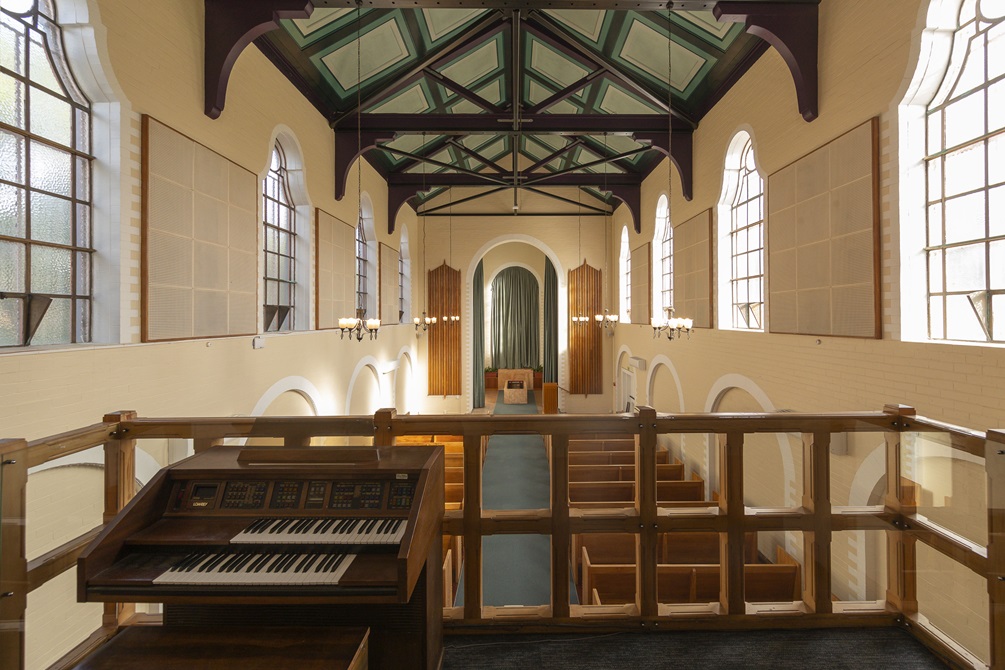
{"x": 413, "y": 100}
{"x": 591, "y": 24}
{"x": 383, "y": 48}
{"x": 476, "y": 65}
{"x": 615, "y": 100}
{"x": 439, "y": 25}
{"x": 320, "y": 24}
{"x": 705, "y": 26}
{"x": 552, "y": 65}
{"x": 642, "y": 48}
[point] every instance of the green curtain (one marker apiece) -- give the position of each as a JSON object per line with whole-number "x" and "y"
{"x": 515, "y": 319}
{"x": 550, "y": 322}
{"x": 478, "y": 350}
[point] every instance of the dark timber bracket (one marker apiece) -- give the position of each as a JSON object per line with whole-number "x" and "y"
{"x": 682, "y": 155}
{"x": 347, "y": 150}
{"x": 230, "y": 26}
{"x": 793, "y": 30}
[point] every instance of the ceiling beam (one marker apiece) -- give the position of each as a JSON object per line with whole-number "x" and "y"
{"x": 635, "y": 5}
{"x": 501, "y": 124}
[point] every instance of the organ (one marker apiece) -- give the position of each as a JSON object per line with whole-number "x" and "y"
{"x": 297, "y": 537}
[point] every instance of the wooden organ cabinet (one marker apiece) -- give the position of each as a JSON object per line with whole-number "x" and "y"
{"x": 286, "y": 537}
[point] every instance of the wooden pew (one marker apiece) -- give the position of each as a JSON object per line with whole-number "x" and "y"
{"x": 693, "y": 490}
{"x": 616, "y": 583}
{"x": 576, "y": 444}
{"x": 698, "y": 547}
{"x": 601, "y": 458}
{"x": 623, "y": 473}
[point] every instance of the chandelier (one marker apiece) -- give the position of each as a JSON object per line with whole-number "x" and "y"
{"x": 674, "y": 327}
{"x": 358, "y": 326}
{"x": 423, "y": 324}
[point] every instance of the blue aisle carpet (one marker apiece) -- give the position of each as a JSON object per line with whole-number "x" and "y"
{"x": 516, "y": 569}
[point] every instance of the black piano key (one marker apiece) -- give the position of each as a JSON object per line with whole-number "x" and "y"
{"x": 299, "y": 565}
{"x": 267, "y": 560}
{"x": 337, "y": 562}
{"x": 313, "y": 558}
{"x": 209, "y": 565}
{"x": 325, "y": 525}
{"x": 307, "y": 527}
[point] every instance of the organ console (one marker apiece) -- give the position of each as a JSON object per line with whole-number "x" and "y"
{"x": 292, "y": 537}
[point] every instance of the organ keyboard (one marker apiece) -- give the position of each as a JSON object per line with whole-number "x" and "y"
{"x": 300, "y": 536}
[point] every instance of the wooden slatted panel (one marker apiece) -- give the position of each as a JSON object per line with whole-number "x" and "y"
{"x": 585, "y": 344}
{"x": 445, "y": 337}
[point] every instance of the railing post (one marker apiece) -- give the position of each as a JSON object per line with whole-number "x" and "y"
{"x": 472, "y": 526}
{"x": 561, "y": 542}
{"x": 13, "y": 560}
{"x": 383, "y": 427}
{"x": 817, "y": 542}
{"x": 120, "y": 487}
{"x": 902, "y": 561}
{"x": 994, "y": 460}
{"x": 646, "y": 473}
{"x": 731, "y": 577}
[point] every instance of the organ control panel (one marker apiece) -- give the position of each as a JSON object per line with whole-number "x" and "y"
{"x": 318, "y": 496}
{"x": 325, "y": 536}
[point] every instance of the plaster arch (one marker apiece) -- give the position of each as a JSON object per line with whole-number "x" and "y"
{"x": 662, "y": 361}
{"x": 715, "y": 396}
{"x": 366, "y": 363}
{"x": 468, "y": 301}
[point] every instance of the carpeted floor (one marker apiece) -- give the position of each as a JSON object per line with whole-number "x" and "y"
{"x": 853, "y": 649}
{"x": 516, "y": 568}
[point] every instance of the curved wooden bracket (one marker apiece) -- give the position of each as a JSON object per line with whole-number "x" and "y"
{"x": 397, "y": 196}
{"x": 230, "y": 26}
{"x": 631, "y": 195}
{"x": 682, "y": 156}
{"x": 793, "y": 30}
{"x": 348, "y": 149}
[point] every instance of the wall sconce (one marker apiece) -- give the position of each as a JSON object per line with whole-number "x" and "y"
{"x": 674, "y": 327}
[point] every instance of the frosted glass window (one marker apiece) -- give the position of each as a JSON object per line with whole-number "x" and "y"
{"x": 625, "y": 267}
{"x": 280, "y": 245}
{"x": 45, "y": 194}
{"x": 747, "y": 244}
{"x": 664, "y": 242}
{"x": 964, "y": 213}
{"x": 362, "y": 290}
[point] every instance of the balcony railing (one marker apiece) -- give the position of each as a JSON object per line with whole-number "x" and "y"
{"x": 923, "y": 531}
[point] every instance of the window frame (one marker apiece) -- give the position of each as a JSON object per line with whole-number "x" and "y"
{"x": 27, "y": 307}
{"x": 744, "y": 228}
{"x": 277, "y": 198}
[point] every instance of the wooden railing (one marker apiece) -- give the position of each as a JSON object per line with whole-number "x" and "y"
{"x": 814, "y": 516}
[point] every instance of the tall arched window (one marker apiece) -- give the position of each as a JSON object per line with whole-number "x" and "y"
{"x": 404, "y": 279}
{"x": 965, "y": 199}
{"x": 45, "y": 184}
{"x": 625, "y": 273}
{"x": 663, "y": 258}
{"x": 741, "y": 238}
{"x": 280, "y": 245}
{"x": 362, "y": 286}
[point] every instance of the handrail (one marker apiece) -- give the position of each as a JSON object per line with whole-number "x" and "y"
{"x": 647, "y": 519}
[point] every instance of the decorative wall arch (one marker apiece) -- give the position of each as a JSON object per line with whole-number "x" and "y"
{"x": 715, "y": 395}
{"x": 663, "y": 361}
{"x": 366, "y": 362}
{"x": 468, "y": 328}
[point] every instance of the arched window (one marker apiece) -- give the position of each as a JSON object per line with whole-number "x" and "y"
{"x": 625, "y": 273}
{"x": 663, "y": 258}
{"x": 965, "y": 198}
{"x": 46, "y": 242}
{"x": 280, "y": 245}
{"x": 404, "y": 280}
{"x": 362, "y": 285}
{"x": 741, "y": 238}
